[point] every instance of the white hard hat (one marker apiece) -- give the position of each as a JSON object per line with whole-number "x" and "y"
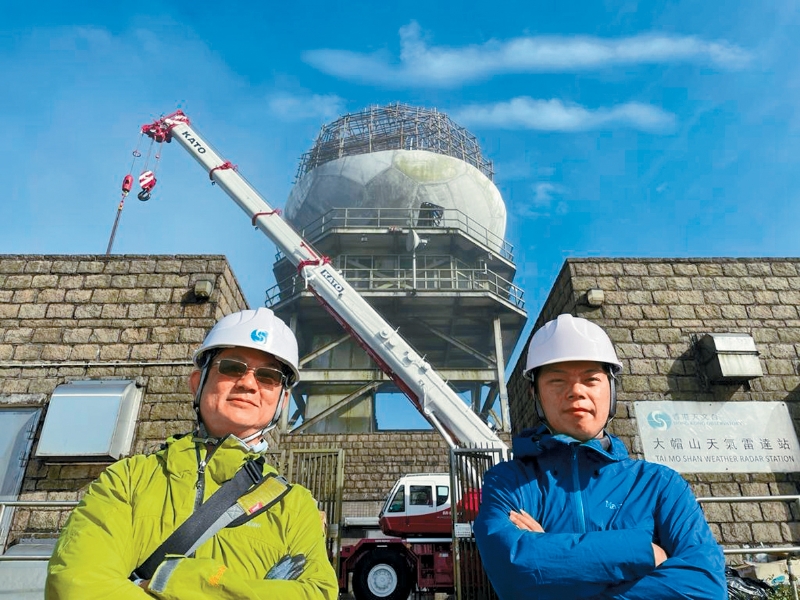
{"x": 570, "y": 338}
{"x": 259, "y": 329}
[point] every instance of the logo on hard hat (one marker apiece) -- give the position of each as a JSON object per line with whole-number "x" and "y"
{"x": 259, "y": 335}
{"x": 659, "y": 420}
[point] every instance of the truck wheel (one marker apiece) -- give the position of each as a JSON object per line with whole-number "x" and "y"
{"x": 382, "y": 575}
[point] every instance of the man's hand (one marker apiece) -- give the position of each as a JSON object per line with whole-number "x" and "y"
{"x": 659, "y": 554}
{"x": 525, "y": 522}
{"x": 289, "y": 567}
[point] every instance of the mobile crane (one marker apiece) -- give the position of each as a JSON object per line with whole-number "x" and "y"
{"x": 420, "y": 543}
{"x": 430, "y": 394}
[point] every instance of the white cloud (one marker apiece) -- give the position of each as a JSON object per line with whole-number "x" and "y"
{"x": 300, "y": 107}
{"x": 80, "y": 96}
{"x": 545, "y": 171}
{"x": 554, "y": 115}
{"x": 545, "y": 201}
{"x": 440, "y": 66}
{"x": 544, "y": 191}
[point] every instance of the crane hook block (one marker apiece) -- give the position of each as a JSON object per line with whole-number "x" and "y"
{"x": 144, "y": 195}
{"x": 127, "y": 183}
{"x": 147, "y": 180}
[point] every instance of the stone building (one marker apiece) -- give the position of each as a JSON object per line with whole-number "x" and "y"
{"x": 654, "y": 310}
{"x": 96, "y": 318}
{"x": 76, "y": 319}
{"x": 138, "y": 318}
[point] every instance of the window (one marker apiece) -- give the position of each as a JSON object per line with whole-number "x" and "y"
{"x": 17, "y": 427}
{"x": 421, "y": 495}
{"x": 442, "y": 494}
{"x": 399, "y": 501}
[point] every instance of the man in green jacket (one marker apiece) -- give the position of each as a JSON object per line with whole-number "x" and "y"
{"x": 246, "y": 367}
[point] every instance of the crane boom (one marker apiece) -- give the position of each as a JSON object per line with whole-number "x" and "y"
{"x": 429, "y": 393}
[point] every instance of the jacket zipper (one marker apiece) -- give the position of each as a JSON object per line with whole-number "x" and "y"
{"x": 201, "y": 478}
{"x": 578, "y": 494}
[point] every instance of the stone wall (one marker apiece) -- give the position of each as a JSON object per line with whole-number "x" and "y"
{"x": 66, "y": 318}
{"x": 651, "y": 309}
{"x": 374, "y": 461}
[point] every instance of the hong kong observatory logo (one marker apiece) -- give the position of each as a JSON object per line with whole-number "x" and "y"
{"x": 659, "y": 420}
{"x": 259, "y": 336}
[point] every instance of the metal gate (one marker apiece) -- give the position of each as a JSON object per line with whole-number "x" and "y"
{"x": 467, "y": 466}
{"x": 321, "y": 470}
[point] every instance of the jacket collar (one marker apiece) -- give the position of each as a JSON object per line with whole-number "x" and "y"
{"x": 181, "y": 454}
{"x": 537, "y": 441}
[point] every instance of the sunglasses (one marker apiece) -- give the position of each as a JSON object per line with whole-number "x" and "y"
{"x": 264, "y": 375}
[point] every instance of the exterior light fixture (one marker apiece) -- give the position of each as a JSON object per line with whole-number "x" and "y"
{"x": 595, "y": 297}
{"x": 203, "y": 289}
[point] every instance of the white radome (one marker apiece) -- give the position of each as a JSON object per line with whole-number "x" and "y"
{"x": 397, "y": 179}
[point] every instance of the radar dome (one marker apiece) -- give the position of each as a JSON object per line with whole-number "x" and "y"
{"x": 397, "y": 179}
{"x": 398, "y": 157}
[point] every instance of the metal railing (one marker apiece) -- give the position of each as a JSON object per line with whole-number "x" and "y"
{"x": 320, "y": 470}
{"x": 418, "y": 218}
{"x": 402, "y": 279}
{"x": 4, "y": 504}
{"x": 467, "y": 469}
{"x": 744, "y": 550}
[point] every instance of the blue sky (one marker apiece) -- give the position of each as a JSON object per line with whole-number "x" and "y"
{"x": 616, "y": 128}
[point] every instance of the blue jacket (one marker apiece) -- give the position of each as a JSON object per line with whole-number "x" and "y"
{"x": 600, "y": 511}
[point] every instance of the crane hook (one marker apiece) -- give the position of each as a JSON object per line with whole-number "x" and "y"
{"x": 148, "y": 181}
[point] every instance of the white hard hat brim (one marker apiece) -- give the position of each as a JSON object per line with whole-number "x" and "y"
{"x": 258, "y": 329}
{"x": 567, "y": 339}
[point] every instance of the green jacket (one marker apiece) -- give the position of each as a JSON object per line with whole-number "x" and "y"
{"x": 139, "y": 501}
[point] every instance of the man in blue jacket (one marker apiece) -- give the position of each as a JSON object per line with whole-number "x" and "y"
{"x": 573, "y": 516}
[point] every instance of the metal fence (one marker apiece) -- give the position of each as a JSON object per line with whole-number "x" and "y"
{"x": 321, "y": 471}
{"x": 467, "y": 468}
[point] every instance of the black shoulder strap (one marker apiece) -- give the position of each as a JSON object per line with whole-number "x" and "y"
{"x": 202, "y": 522}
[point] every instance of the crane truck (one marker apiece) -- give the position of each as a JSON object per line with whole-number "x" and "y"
{"x": 417, "y": 549}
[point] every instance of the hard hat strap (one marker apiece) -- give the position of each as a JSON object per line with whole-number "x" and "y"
{"x": 206, "y": 360}
{"x": 273, "y": 421}
{"x": 612, "y": 382}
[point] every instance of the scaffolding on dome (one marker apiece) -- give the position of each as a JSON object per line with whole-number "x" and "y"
{"x": 394, "y": 127}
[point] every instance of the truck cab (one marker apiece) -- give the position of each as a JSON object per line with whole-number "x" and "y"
{"x": 418, "y": 505}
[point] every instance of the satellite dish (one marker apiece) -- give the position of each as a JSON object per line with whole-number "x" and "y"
{"x": 412, "y": 241}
